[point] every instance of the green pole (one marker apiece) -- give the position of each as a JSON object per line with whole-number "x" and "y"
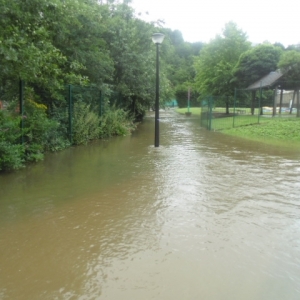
{"x": 70, "y": 112}
{"x": 189, "y": 95}
{"x": 210, "y": 112}
{"x": 234, "y": 101}
{"x": 21, "y": 105}
{"x": 100, "y": 104}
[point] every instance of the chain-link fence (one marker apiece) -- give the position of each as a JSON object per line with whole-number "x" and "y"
{"x": 248, "y": 107}
{"x": 225, "y": 112}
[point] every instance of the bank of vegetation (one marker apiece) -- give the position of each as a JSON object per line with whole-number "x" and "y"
{"x": 48, "y": 47}
{"x": 103, "y": 48}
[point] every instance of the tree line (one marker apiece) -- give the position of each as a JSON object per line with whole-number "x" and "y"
{"x": 231, "y": 62}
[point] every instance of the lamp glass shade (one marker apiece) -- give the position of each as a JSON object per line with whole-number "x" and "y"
{"x": 158, "y": 38}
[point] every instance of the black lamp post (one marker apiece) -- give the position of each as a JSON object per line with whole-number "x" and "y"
{"x": 157, "y": 39}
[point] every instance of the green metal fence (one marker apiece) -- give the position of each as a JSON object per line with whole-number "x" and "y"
{"x": 248, "y": 107}
{"x": 14, "y": 95}
{"x": 225, "y": 112}
{"x": 75, "y": 95}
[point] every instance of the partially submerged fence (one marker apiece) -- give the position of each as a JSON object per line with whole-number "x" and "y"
{"x": 246, "y": 107}
{"x": 219, "y": 113}
{"x": 78, "y": 96}
{"x": 15, "y": 96}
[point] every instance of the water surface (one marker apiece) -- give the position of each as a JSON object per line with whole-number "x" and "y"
{"x": 204, "y": 216}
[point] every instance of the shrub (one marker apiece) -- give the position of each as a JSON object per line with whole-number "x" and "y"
{"x": 38, "y": 130}
{"x": 58, "y": 138}
{"x": 85, "y": 124}
{"x": 11, "y": 151}
{"x": 116, "y": 122}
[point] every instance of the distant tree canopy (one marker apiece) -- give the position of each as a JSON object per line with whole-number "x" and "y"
{"x": 217, "y": 60}
{"x": 256, "y": 63}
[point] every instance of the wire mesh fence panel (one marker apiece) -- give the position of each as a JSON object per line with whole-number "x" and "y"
{"x": 247, "y": 108}
{"x": 225, "y": 112}
{"x": 217, "y": 112}
{"x": 84, "y": 105}
{"x": 222, "y": 112}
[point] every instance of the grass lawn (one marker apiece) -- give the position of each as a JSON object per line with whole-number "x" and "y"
{"x": 227, "y": 123}
{"x": 273, "y": 131}
{"x": 193, "y": 110}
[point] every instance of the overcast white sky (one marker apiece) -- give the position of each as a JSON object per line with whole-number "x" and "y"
{"x": 201, "y": 20}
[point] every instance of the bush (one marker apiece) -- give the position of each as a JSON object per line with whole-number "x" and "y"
{"x": 116, "y": 122}
{"x": 38, "y": 130}
{"x": 85, "y": 124}
{"x": 11, "y": 156}
{"x": 58, "y": 138}
{"x": 11, "y": 151}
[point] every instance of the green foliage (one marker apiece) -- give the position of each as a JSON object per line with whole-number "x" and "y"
{"x": 116, "y": 122}
{"x": 11, "y": 156}
{"x": 58, "y": 138}
{"x": 216, "y": 62}
{"x": 38, "y": 129}
{"x": 11, "y": 152}
{"x": 181, "y": 96}
{"x": 85, "y": 124}
{"x": 271, "y": 131}
{"x": 256, "y": 63}
{"x": 178, "y": 57}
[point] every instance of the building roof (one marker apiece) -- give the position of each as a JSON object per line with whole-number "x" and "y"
{"x": 266, "y": 81}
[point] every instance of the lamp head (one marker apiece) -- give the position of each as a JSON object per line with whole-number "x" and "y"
{"x": 158, "y": 38}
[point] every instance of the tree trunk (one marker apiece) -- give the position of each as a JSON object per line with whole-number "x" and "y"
{"x": 227, "y": 106}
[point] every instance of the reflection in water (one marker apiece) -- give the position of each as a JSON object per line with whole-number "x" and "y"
{"x": 201, "y": 217}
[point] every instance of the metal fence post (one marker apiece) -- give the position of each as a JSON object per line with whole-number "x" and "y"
{"x": 234, "y": 102}
{"x": 210, "y": 104}
{"x": 100, "y": 104}
{"x": 70, "y": 112}
{"x": 21, "y": 107}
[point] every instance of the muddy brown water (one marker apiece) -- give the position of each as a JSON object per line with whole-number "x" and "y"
{"x": 203, "y": 216}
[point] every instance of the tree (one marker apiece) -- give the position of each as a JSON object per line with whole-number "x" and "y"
{"x": 29, "y": 31}
{"x": 256, "y": 63}
{"x": 178, "y": 59}
{"x": 215, "y": 64}
{"x": 133, "y": 54}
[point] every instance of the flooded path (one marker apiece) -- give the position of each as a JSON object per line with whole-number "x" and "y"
{"x": 203, "y": 216}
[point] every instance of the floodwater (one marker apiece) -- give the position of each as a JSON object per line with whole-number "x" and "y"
{"x": 203, "y": 216}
